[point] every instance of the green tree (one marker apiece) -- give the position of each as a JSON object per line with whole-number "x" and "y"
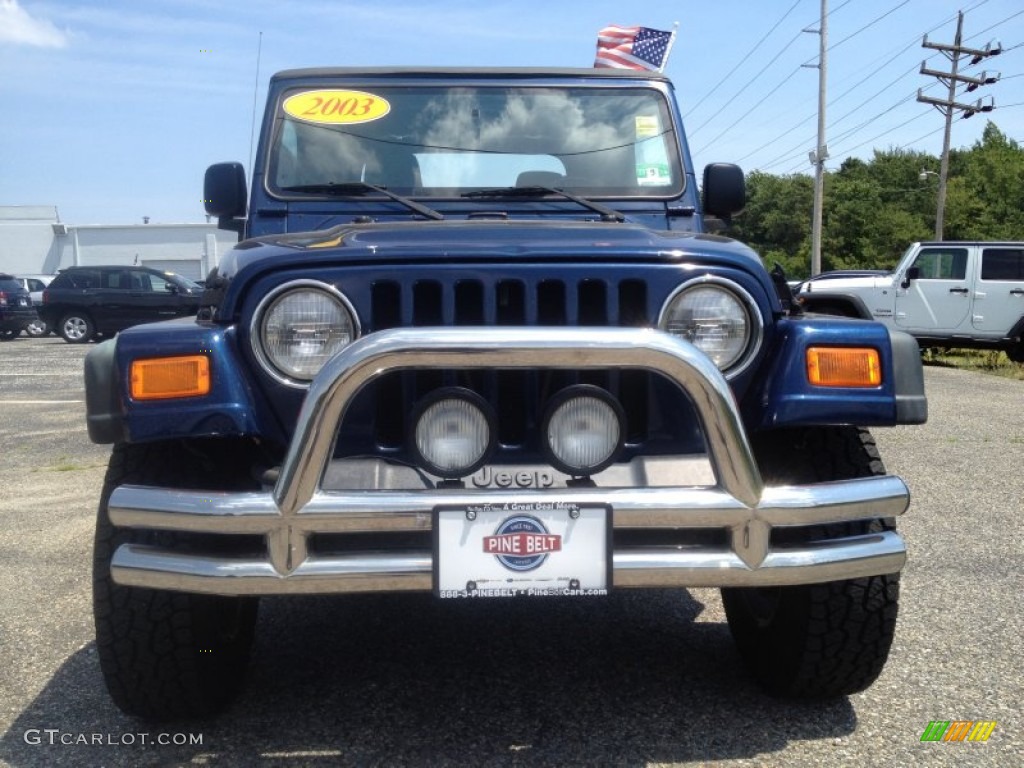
{"x": 777, "y": 220}
{"x": 873, "y": 209}
{"x": 985, "y": 200}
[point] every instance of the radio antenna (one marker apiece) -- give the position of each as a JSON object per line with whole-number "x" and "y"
{"x": 255, "y": 90}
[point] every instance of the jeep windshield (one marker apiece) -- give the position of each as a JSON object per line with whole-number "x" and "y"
{"x": 444, "y": 141}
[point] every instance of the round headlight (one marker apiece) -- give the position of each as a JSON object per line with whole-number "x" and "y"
{"x": 301, "y": 327}
{"x": 452, "y": 433}
{"x": 584, "y": 430}
{"x": 718, "y": 318}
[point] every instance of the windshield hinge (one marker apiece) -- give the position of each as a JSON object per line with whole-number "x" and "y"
{"x": 681, "y": 210}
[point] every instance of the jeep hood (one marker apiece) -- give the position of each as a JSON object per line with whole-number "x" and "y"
{"x": 481, "y": 241}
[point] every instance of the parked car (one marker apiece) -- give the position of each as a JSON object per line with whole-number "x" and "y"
{"x": 966, "y": 294}
{"x": 83, "y": 302}
{"x": 35, "y": 284}
{"x": 16, "y": 310}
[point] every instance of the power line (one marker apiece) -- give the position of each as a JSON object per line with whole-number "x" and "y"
{"x": 759, "y": 103}
{"x": 749, "y": 83}
{"x": 849, "y": 37}
{"x": 998, "y": 23}
{"x": 869, "y": 24}
{"x": 797, "y": 149}
{"x": 913, "y": 43}
{"x": 830, "y": 104}
{"x": 767, "y": 34}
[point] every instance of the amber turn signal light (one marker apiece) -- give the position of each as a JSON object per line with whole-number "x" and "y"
{"x": 843, "y": 367}
{"x": 166, "y": 377}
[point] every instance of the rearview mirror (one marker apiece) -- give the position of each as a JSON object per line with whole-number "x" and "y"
{"x": 224, "y": 194}
{"x": 724, "y": 190}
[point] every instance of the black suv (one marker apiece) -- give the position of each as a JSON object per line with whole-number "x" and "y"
{"x": 82, "y": 302}
{"x": 16, "y": 310}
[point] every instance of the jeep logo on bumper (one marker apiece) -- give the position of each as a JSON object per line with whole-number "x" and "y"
{"x": 490, "y": 478}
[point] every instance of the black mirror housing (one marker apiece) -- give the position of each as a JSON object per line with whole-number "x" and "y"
{"x": 224, "y": 191}
{"x": 725, "y": 191}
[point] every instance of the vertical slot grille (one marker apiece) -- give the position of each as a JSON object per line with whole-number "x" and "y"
{"x": 517, "y": 396}
{"x": 426, "y": 303}
{"x": 551, "y": 303}
{"x": 510, "y": 296}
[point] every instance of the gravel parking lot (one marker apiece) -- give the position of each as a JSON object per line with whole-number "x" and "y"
{"x": 637, "y": 679}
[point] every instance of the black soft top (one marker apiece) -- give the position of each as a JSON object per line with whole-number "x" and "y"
{"x": 466, "y": 72}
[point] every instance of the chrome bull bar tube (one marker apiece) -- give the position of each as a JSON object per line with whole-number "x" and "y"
{"x": 297, "y": 507}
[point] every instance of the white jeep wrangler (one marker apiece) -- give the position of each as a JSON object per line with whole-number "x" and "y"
{"x": 945, "y": 294}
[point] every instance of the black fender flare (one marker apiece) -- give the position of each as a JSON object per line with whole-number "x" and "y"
{"x": 104, "y": 415}
{"x": 808, "y": 301}
{"x": 908, "y": 379}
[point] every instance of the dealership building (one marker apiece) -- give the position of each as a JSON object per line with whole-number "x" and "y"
{"x": 34, "y": 241}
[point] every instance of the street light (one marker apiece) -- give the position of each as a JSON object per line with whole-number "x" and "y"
{"x": 925, "y": 174}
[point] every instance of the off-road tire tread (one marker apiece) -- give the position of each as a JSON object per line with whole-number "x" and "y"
{"x": 825, "y": 640}
{"x": 162, "y": 654}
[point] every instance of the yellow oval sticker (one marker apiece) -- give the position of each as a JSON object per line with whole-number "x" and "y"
{"x": 336, "y": 107}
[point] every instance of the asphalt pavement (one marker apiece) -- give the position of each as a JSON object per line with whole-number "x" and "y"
{"x": 645, "y": 678}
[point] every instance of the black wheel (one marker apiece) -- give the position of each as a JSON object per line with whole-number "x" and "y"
{"x": 1016, "y": 353}
{"x": 168, "y": 655}
{"x": 818, "y": 640}
{"x": 8, "y": 335}
{"x": 76, "y": 328}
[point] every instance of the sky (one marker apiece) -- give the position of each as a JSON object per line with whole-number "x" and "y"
{"x": 112, "y": 111}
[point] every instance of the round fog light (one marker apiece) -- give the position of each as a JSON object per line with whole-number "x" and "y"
{"x": 452, "y": 433}
{"x": 584, "y": 430}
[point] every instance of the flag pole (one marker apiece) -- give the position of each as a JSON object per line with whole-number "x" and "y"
{"x": 668, "y": 49}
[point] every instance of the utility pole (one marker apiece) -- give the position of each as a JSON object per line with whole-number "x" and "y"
{"x": 819, "y": 155}
{"x": 949, "y": 105}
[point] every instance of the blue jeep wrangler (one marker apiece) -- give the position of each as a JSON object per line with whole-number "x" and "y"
{"x": 477, "y": 340}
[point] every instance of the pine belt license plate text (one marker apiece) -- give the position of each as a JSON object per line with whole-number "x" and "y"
{"x": 534, "y": 549}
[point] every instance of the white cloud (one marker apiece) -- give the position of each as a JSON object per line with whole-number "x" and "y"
{"x": 18, "y": 27}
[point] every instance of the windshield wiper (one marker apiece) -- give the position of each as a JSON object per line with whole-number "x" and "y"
{"x": 607, "y": 214}
{"x": 358, "y": 188}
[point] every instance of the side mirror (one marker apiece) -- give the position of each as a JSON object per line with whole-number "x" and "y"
{"x": 725, "y": 191}
{"x": 224, "y": 194}
{"x": 912, "y": 274}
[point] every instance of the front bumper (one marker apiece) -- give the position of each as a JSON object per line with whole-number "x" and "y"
{"x": 298, "y": 508}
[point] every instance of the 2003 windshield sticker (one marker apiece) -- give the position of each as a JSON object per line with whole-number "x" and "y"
{"x": 336, "y": 107}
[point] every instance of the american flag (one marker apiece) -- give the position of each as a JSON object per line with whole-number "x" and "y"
{"x": 632, "y": 47}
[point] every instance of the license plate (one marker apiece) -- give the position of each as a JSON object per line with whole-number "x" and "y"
{"x": 533, "y": 549}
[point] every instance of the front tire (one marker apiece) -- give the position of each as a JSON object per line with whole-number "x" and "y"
{"x": 77, "y": 328}
{"x": 166, "y": 655}
{"x": 825, "y": 640}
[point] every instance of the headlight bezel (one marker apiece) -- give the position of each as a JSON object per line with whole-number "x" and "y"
{"x": 269, "y": 301}
{"x": 755, "y": 321}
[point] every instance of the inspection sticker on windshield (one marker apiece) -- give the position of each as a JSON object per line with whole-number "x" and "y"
{"x": 532, "y": 549}
{"x": 336, "y": 107}
{"x": 647, "y": 126}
